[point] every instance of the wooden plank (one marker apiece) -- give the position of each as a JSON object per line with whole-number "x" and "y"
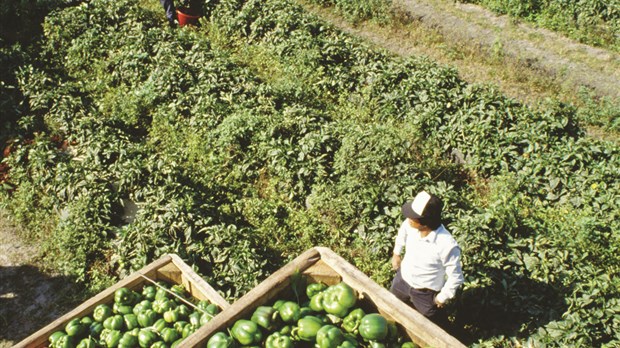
{"x": 195, "y": 284}
{"x": 322, "y": 264}
{"x": 320, "y": 272}
{"x": 169, "y": 268}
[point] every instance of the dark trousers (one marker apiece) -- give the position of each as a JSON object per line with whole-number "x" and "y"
{"x": 169, "y": 8}
{"x": 422, "y": 300}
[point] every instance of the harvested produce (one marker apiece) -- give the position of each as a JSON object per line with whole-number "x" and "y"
{"x": 323, "y": 317}
{"x": 157, "y": 315}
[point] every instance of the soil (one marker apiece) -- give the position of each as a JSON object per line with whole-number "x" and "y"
{"x": 31, "y": 297}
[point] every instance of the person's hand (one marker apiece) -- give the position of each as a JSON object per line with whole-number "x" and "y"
{"x": 396, "y": 262}
{"x": 437, "y": 303}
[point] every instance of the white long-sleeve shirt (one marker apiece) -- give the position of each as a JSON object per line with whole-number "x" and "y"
{"x": 432, "y": 262}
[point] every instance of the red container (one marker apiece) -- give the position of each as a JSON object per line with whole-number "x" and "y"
{"x": 187, "y": 17}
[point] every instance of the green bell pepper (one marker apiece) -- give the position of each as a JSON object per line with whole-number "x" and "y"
{"x": 307, "y": 328}
{"x": 169, "y": 335}
{"x": 176, "y": 343}
{"x": 351, "y": 322}
{"x": 95, "y": 329}
{"x": 350, "y": 340}
{"x": 338, "y": 299}
{"x": 142, "y": 306}
{"x": 121, "y": 309}
{"x": 206, "y": 307}
{"x": 163, "y": 304}
{"x": 135, "y": 331}
{"x": 329, "y": 336}
{"x": 194, "y": 318}
{"x": 373, "y": 327}
{"x": 290, "y": 312}
{"x": 179, "y": 290}
{"x": 147, "y": 318}
{"x": 75, "y": 328}
{"x": 55, "y": 336}
{"x": 146, "y": 337}
{"x": 303, "y": 311}
{"x": 246, "y": 332}
{"x": 316, "y": 302}
{"x": 86, "y": 320}
{"x": 183, "y": 311}
{"x": 265, "y": 317}
{"x": 114, "y": 322}
{"x": 179, "y": 325}
{"x": 392, "y": 335}
{"x": 102, "y": 312}
{"x": 409, "y": 345}
{"x": 188, "y": 330}
{"x": 161, "y": 294}
{"x": 159, "y": 344}
{"x": 123, "y": 296}
{"x": 376, "y": 344}
{"x": 131, "y": 321}
{"x": 87, "y": 343}
{"x": 278, "y": 303}
{"x": 205, "y": 318}
{"x": 160, "y": 325}
{"x": 64, "y": 341}
{"x": 148, "y": 292}
{"x": 278, "y": 340}
{"x": 315, "y": 288}
{"x": 111, "y": 337}
{"x": 128, "y": 341}
{"x": 171, "y": 315}
{"x": 220, "y": 340}
{"x": 286, "y": 330}
{"x": 203, "y": 304}
{"x": 347, "y": 344}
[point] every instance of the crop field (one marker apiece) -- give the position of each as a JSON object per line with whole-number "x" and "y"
{"x": 265, "y": 131}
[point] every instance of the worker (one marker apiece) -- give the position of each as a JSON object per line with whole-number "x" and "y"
{"x": 430, "y": 273}
{"x": 171, "y": 12}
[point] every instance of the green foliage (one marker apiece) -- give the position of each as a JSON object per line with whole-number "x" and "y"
{"x": 135, "y": 141}
{"x": 601, "y": 112}
{"x": 358, "y": 11}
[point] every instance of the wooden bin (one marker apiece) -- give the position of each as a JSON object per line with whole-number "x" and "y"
{"x": 322, "y": 264}
{"x": 169, "y": 268}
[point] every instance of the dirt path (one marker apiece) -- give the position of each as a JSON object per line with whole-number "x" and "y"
{"x": 574, "y": 63}
{"x": 30, "y": 297}
{"x": 538, "y": 55}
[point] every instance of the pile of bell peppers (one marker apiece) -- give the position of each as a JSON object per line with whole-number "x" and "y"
{"x": 328, "y": 317}
{"x": 153, "y": 316}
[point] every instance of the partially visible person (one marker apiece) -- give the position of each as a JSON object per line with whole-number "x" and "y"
{"x": 171, "y": 12}
{"x": 430, "y": 272}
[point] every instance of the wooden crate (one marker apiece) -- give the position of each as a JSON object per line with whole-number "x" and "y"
{"x": 169, "y": 268}
{"x": 322, "y": 264}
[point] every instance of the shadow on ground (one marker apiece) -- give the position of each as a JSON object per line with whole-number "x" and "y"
{"x": 511, "y": 306}
{"x": 31, "y": 299}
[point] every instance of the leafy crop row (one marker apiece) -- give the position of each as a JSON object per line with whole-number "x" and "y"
{"x": 357, "y": 11}
{"x": 266, "y": 132}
